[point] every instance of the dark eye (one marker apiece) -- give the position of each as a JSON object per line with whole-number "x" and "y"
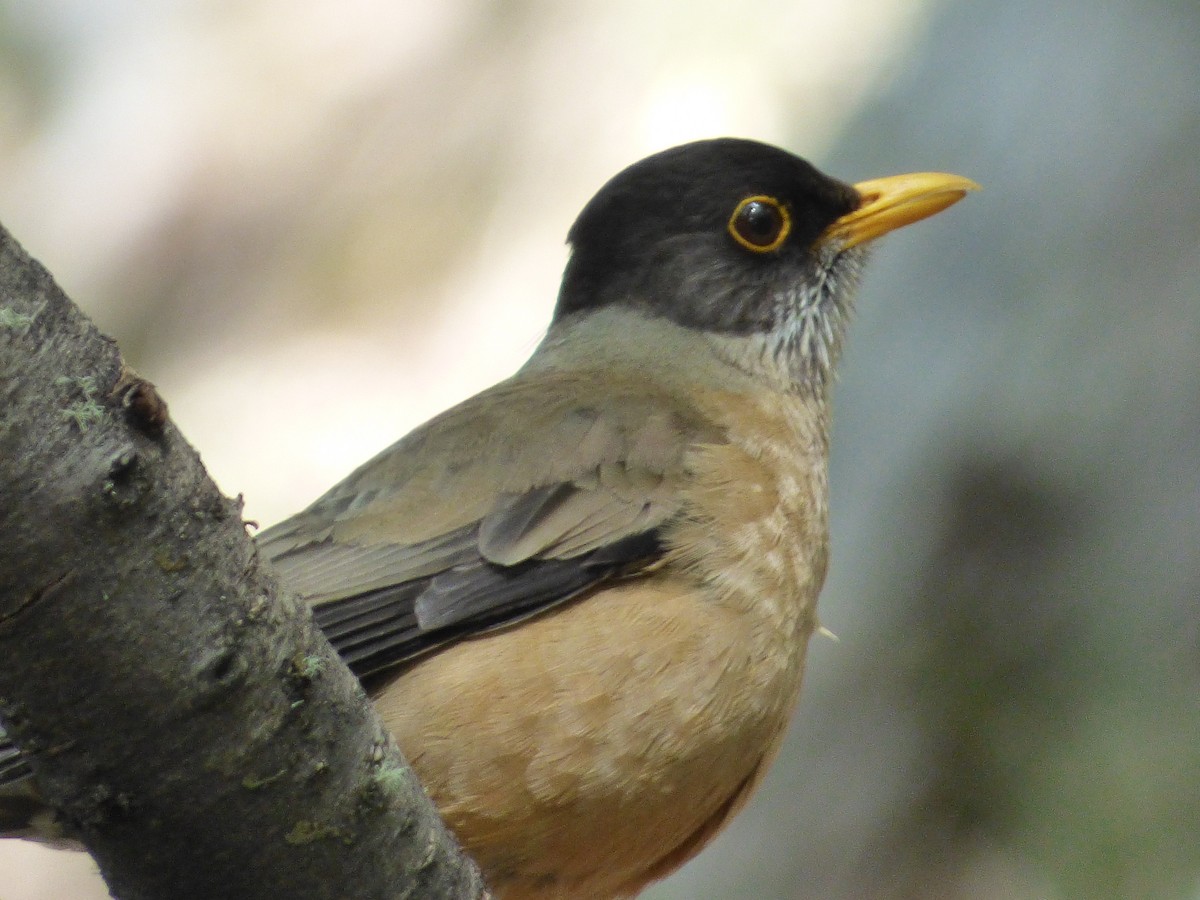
{"x": 760, "y": 223}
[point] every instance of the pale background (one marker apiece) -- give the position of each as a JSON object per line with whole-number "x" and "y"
{"x": 314, "y": 224}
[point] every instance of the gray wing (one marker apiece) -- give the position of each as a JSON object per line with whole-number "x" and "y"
{"x": 518, "y": 500}
{"x": 17, "y": 803}
{"x": 12, "y": 764}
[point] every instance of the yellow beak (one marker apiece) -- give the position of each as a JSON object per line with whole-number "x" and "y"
{"x": 891, "y": 203}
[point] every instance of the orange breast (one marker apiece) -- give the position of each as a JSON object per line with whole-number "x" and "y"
{"x": 591, "y": 750}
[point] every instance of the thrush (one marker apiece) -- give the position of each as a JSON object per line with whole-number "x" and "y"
{"x": 581, "y": 600}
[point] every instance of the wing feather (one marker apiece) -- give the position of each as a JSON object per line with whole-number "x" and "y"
{"x": 473, "y": 522}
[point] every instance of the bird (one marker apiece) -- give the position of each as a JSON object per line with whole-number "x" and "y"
{"x": 581, "y": 600}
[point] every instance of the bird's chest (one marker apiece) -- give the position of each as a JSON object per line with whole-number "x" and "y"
{"x": 756, "y": 523}
{"x": 613, "y": 737}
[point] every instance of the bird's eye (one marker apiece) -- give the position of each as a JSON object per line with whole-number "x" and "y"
{"x": 760, "y": 223}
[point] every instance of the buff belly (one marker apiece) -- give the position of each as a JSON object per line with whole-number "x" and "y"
{"x": 598, "y": 747}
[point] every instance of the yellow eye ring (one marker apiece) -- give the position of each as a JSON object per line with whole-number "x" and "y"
{"x": 760, "y": 223}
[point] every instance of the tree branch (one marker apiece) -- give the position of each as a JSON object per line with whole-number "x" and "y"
{"x": 178, "y": 710}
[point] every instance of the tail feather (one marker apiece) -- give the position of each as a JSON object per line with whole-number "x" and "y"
{"x": 23, "y": 814}
{"x": 13, "y": 766}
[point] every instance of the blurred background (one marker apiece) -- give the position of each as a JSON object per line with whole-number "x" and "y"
{"x": 314, "y": 224}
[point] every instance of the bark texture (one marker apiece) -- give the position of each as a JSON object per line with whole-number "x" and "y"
{"x": 180, "y": 713}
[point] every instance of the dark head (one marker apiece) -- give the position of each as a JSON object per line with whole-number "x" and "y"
{"x": 734, "y": 238}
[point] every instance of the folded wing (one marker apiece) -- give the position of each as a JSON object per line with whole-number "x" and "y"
{"x": 503, "y": 508}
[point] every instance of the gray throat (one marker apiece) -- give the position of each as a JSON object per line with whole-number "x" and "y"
{"x": 802, "y": 348}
